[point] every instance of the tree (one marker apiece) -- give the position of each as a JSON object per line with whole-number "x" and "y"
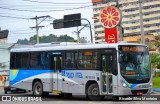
{"x": 65, "y": 38}
{"x": 25, "y": 41}
{"x": 47, "y": 39}
{"x": 155, "y": 60}
{"x": 157, "y": 41}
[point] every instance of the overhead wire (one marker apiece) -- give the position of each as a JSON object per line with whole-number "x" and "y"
{"x": 13, "y": 17}
{"x": 27, "y": 10}
{"x": 54, "y": 2}
{"x": 14, "y": 14}
{"x": 26, "y": 17}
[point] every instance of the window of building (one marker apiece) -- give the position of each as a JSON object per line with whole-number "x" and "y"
{"x": 87, "y": 59}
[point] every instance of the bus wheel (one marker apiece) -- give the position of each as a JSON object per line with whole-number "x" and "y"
{"x": 37, "y": 89}
{"x": 93, "y": 93}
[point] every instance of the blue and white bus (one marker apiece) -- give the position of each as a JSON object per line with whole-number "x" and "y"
{"x": 94, "y": 70}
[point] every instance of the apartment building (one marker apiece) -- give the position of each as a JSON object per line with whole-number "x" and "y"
{"x": 130, "y": 17}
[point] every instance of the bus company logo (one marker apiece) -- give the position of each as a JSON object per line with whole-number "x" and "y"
{"x": 20, "y": 98}
{"x": 110, "y": 16}
{"x": 6, "y": 98}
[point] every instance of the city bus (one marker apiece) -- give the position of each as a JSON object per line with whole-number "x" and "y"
{"x": 94, "y": 70}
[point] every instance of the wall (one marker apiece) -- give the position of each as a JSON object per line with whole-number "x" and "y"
{"x": 4, "y": 62}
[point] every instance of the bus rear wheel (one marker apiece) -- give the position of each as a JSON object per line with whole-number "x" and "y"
{"x": 37, "y": 89}
{"x": 93, "y": 93}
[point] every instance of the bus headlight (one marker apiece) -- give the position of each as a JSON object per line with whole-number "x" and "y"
{"x": 150, "y": 84}
{"x": 124, "y": 84}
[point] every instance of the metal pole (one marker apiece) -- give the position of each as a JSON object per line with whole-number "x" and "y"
{"x": 37, "y": 28}
{"x": 78, "y": 38}
{"x": 120, "y": 32}
{"x": 90, "y": 28}
{"x": 141, "y": 22}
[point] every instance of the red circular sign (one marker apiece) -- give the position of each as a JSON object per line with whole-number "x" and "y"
{"x": 110, "y": 17}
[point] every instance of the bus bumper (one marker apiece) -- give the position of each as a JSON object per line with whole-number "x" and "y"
{"x": 127, "y": 91}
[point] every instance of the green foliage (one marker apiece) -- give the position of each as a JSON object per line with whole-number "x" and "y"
{"x": 157, "y": 74}
{"x": 25, "y": 41}
{"x": 156, "y": 81}
{"x": 157, "y": 42}
{"x": 158, "y": 66}
{"x": 47, "y": 39}
{"x": 155, "y": 60}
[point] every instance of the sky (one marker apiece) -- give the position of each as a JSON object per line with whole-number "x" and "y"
{"x": 15, "y": 16}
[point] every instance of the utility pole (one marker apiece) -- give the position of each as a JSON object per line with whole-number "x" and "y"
{"x": 78, "y": 32}
{"x": 141, "y": 22}
{"x": 37, "y": 25}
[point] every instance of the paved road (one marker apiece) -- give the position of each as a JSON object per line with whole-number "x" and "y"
{"x": 55, "y": 99}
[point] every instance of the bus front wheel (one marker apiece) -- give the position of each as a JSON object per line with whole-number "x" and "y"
{"x": 37, "y": 89}
{"x": 93, "y": 92}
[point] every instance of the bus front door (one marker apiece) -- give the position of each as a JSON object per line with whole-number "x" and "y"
{"x": 56, "y": 65}
{"x": 107, "y": 79}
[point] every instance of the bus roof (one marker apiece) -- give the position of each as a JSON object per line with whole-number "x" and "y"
{"x": 65, "y": 46}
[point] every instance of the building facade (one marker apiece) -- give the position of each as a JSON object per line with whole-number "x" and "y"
{"x": 130, "y": 17}
{"x": 4, "y": 61}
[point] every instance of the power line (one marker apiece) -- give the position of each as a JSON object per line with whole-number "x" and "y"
{"x": 40, "y": 5}
{"x": 47, "y": 6}
{"x": 54, "y": 2}
{"x": 20, "y": 30}
{"x": 15, "y": 14}
{"x": 13, "y": 17}
{"x": 45, "y": 10}
{"x": 31, "y": 33}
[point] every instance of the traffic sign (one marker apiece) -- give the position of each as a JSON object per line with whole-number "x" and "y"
{"x": 4, "y": 34}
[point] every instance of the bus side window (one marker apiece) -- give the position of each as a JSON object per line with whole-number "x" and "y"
{"x": 69, "y": 60}
{"x": 34, "y": 61}
{"x": 25, "y": 60}
{"x": 88, "y": 59}
{"x": 12, "y": 61}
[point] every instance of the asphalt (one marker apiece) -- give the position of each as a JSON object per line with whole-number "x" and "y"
{"x": 154, "y": 90}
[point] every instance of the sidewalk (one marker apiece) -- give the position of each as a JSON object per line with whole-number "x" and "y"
{"x": 156, "y": 89}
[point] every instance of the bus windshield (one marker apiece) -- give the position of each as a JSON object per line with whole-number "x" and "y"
{"x": 135, "y": 64}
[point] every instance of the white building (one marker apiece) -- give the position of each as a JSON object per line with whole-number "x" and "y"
{"x": 130, "y": 17}
{"x": 4, "y": 61}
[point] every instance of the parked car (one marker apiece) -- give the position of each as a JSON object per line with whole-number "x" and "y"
{"x": 11, "y": 89}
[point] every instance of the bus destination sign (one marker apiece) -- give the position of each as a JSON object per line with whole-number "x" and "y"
{"x": 132, "y": 48}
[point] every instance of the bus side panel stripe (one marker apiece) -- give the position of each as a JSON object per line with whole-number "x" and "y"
{"x": 18, "y": 75}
